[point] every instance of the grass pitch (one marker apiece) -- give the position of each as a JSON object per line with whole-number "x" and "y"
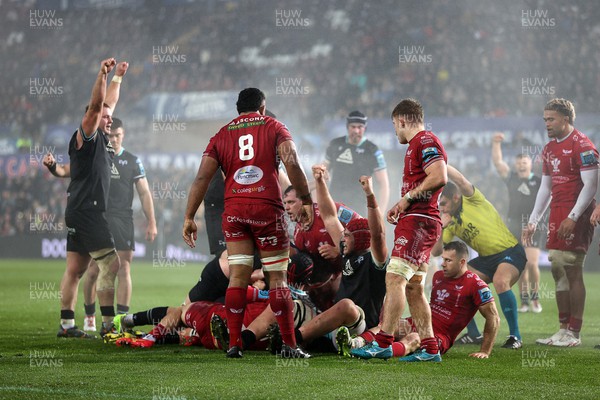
{"x": 37, "y": 365}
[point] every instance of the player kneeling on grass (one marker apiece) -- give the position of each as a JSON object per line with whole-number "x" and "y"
{"x": 456, "y": 296}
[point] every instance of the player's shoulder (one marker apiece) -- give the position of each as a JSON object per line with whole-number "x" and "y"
{"x": 581, "y": 141}
{"x": 338, "y": 141}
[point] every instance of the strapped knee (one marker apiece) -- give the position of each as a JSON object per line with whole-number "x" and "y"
{"x": 241, "y": 259}
{"x": 419, "y": 278}
{"x": 276, "y": 263}
{"x": 560, "y": 259}
{"x": 106, "y": 277}
{"x": 401, "y": 267}
{"x": 358, "y": 326}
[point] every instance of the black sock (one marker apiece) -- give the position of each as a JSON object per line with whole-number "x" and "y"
{"x": 248, "y": 338}
{"x": 107, "y": 311}
{"x": 67, "y": 314}
{"x": 121, "y": 309}
{"x": 149, "y": 317}
{"x": 299, "y": 338}
{"x": 90, "y": 309}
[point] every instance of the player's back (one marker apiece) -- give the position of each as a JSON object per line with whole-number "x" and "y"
{"x": 246, "y": 150}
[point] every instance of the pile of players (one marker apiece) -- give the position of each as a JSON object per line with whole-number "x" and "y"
{"x": 348, "y": 291}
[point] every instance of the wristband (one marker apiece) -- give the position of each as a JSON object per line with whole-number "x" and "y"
{"x": 371, "y": 201}
{"x": 52, "y": 168}
{"x": 409, "y": 198}
{"x": 306, "y": 200}
{"x": 117, "y": 79}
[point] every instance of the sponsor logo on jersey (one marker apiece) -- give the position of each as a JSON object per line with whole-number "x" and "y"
{"x": 114, "y": 172}
{"x": 565, "y": 151}
{"x": 345, "y": 157}
{"x": 401, "y": 241}
{"x": 524, "y": 189}
{"x": 348, "y": 270}
{"x": 248, "y": 175}
{"x": 122, "y": 162}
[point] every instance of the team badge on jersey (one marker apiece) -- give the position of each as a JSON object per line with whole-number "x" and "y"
{"x": 485, "y": 294}
{"x": 588, "y": 158}
{"x": 429, "y": 154}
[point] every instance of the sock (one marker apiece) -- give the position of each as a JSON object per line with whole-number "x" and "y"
{"x": 524, "y": 298}
{"x": 384, "y": 339}
{"x": 253, "y": 294}
{"x": 398, "y": 349}
{"x": 235, "y": 304}
{"x": 107, "y": 311}
{"x": 121, "y": 309}
{"x": 430, "y": 345}
{"x": 283, "y": 307}
{"x": 368, "y": 336}
{"x": 158, "y": 332}
{"x": 67, "y": 319}
{"x": 575, "y": 326}
{"x": 248, "y": 338}
{"x": 127, "y": 321}
{"x": 90, "y": 309}
{"x": 299, "y": 338}
{"x": 508, "y": 302}
{"x": 535, "y": 295}
{"x": 149, "y": 317}
{"x": 473, "y": 330}
{"x": 564, "y": 318}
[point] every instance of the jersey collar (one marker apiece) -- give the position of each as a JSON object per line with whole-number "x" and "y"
{"x": 364, "y": 139}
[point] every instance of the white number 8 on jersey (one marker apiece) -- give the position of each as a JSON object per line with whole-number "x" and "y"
{"x": 246, "y": 149}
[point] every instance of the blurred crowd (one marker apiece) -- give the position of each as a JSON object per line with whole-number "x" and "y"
{"x": 477, "y": 57}
{"x": 474, "y": 58}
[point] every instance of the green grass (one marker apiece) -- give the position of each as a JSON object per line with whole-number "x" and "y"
{"x": 37, "y": 365}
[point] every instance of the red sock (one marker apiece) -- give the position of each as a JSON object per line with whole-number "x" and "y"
{"x": 251, "y": 294}
{"x": 398, "y": 349}
{"x": 368, "y": 336}
{"x": 384, "y": 339}
{"x": 430, "y": 345}
{"x": 564, "y": 318}
{"x": 575, "y": 324}
{"x": 235, "y": 304}
{"x": 158, "y": 331}
{"x": 282, "y": 305}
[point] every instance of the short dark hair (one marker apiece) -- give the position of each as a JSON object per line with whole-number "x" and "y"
{"x": 563, "y": 106}
{"x": 459, "y": 247}
{"x": 522, "y": 155}
{"x": 104, "y": 105}
{"x": 116, "y": 124}
{"x": 249, "y": 99}
{"x": 287, "y": 190}
{"x": 410, "y": 109}
{"x": 450, "y": 190}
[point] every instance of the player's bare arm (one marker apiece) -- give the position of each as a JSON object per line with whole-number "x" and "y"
{"x": 501, "y": 166}
{"x": 490, "y": 330}
{"x": 464, "y": 185}
{"x": 437, "y": 177}
{"x": 206, "y": 171}
{"x": 378, "y": 248}
{"x": 327, "y": 205}
{"x": 114, "y": 89}
{"x": 289, "y": 157}
{"x": 58, "y": 170}
{"x": 145, "y": 196}
{"x": 91, "y": 119}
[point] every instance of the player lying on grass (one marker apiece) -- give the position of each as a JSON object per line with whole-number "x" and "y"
{"x": 456, "y": 296}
